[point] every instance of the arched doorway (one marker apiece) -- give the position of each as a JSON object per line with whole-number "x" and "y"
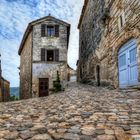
{"x": 128, "y": 65}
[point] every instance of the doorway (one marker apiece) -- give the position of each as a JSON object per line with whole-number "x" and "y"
{"x": 43, "y": 87}
{"x": 98, "y": 75}
{"x": 128, "y": 65}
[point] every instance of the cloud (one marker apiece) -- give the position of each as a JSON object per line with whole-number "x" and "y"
{"x": 14, "y": 18}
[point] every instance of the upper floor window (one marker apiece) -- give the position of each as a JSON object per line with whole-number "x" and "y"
{"x": 49, "y": 55}
{"x": 121, "y": 20}
{"x": 49, "y": 30}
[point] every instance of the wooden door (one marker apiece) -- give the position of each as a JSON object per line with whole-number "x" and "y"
{"x": 133, "y": 65}
{"x": 128, "y": 68}
{"x": 43, "y": 87}
{"x": 123, "y": 69}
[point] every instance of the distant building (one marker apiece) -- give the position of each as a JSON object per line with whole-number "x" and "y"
{"x": 4, "y": 88}
{"x": 43, "y": 53}
{"x": 72, "y": 74}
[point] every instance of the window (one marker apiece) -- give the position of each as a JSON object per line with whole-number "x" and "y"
{"x": 50, "y": 31}
{"x": 49, "y": 55}
{"x": 121, "y": 20}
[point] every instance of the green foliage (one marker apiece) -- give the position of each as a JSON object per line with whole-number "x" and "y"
{"x": 14, "y": 91}
{"x": 14, "y": 98}
{"x": 57, "y": 83}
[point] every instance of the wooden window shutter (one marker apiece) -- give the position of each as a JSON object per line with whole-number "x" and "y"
{"x": 56, "y": 30}
{"x": 46, "y": 52}
{"x": 43, "y": 30}
{"x": 42, "y": 54}
{"x": 57, "y": 55}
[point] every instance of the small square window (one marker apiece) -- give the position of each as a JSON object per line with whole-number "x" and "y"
{"x": 50, "y": 31}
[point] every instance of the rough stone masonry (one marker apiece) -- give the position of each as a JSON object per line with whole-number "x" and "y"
{"x": 82, "y": 113}
{"x": 106, "y": 26}
{"x": 43, "y": 52}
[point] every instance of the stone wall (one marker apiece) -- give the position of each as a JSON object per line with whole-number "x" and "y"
{"x": 49, "y": 69}
{"x": 26, "y": 69}
{"x": 42, "y": 70}
{"x": 50, "y": 42}
{"x": 0, "y": 91}
{"x": 101, "y": 36}
{"x": 4, "y": 90}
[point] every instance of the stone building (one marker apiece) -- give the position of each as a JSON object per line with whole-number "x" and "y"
{"x": 4, "y": 88}
{"x": 43, "y": 53}
{"x": 109, "y": 51}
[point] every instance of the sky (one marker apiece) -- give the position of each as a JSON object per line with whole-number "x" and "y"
{"x": 14, "y": 18}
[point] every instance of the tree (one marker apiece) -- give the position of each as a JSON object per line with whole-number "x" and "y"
{"x": 57, "y": 83}
{"x": 14, "y": 98}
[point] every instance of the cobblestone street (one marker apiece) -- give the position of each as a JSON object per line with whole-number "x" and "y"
{"x": 82, "y": 112}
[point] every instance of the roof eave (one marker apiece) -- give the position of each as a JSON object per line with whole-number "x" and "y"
{"x": 69, "y": 27}
{"x": 83, "y": 12}
{"x": 43, "y": 18}
{"x": 5, "y": 80}
{"x": 29, "y": 28}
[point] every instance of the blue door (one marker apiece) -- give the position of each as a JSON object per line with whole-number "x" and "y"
{"x": 128, "y": 68}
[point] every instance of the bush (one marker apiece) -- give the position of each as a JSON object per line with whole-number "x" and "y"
{"x": 14, "y": 98}
{"x": 57, "y": 84}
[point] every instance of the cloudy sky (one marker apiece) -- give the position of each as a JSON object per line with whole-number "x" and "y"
{"x": 14, "y": 18}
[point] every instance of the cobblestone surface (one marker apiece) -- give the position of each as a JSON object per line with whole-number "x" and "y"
{"x": 80, "y": 113}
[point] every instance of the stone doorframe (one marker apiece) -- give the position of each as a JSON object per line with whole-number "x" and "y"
{"x": 133, "y": 34}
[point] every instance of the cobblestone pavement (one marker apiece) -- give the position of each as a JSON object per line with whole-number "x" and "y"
{"x": 80, "y": 113}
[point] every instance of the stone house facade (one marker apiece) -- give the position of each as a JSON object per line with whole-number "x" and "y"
{"x": 43, "y": 53}
{"x": 109, "y": 51}
{"x": 4, "y": 88}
